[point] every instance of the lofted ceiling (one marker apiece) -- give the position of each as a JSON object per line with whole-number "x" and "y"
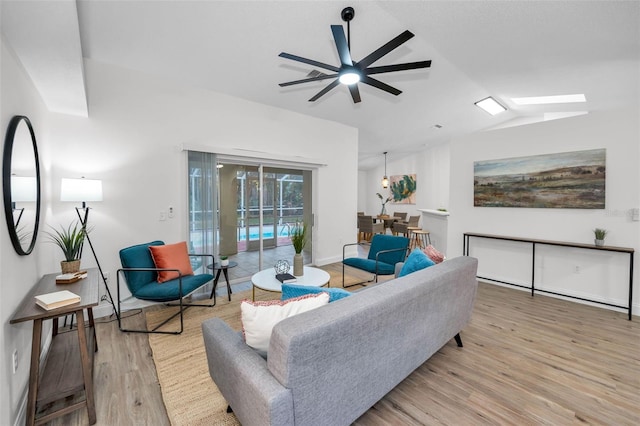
{"x": 502, "y": 49}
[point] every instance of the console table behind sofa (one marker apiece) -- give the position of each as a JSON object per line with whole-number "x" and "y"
{"x": 534, "y": 242}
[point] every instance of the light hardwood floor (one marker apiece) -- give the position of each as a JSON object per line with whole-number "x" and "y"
{"x": 525, "y": 361}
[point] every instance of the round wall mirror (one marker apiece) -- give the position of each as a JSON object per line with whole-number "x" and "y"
{"x": 21, "y": 184}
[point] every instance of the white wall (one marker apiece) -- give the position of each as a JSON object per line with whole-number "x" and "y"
{"x": 431, "y": 167}
{"x": 17, "y": 273}
{"x": 596, "y": 275}
{"x": 131, "y": 141}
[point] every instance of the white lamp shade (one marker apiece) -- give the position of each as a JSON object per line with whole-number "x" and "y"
{"x": 23, "y": 189}
{"x": 81, "y": 190}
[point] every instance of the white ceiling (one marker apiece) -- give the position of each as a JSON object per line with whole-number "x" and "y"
{"x": 478, "y": 48}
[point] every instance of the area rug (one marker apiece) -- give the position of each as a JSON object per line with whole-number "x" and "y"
{"x": 190, "y": 396}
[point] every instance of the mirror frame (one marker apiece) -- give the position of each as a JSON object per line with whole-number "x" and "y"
{"x": 6, "y": 184}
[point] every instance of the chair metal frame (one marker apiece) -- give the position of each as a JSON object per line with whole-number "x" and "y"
{"x": 183, "y": 306}
{"x": 375, "y": 277}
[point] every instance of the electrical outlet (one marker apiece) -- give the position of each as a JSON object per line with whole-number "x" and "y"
{"x": 15, "y": 361}
{"x": 171, "y": 212}
{"x": 577, "y": 269}
{"x": 106, "y": 276}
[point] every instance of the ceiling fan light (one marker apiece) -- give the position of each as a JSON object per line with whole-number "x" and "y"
{"x": 349, "y": 77}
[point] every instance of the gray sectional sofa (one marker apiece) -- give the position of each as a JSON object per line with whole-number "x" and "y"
{"x": 328, "y": 366}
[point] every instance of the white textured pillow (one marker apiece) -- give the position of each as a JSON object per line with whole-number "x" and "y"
{"x": 259, "y": 318}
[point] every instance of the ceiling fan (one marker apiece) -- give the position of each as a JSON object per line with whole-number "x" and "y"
{"x": 350, "y": 72}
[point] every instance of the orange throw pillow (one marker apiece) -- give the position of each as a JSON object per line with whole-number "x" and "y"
{"x": 173, "y": 256}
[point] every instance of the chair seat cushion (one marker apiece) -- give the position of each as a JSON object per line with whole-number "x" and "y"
{"x": 370, "y": 265}
{"x": 170, "y": 290}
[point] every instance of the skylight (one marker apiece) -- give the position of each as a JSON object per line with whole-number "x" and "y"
{"x": 557, "y": 99}
{"x": 490, "y": 105}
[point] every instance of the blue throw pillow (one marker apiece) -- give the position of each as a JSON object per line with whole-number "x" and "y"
{"x": 292, "y": 290}
{"x": 417, "y": 260}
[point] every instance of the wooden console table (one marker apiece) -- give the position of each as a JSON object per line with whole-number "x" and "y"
{"x": 68, "y": 369}
{"x": 533, "y": 242}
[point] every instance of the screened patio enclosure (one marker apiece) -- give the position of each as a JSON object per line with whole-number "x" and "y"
{"x": 239, "y": 209}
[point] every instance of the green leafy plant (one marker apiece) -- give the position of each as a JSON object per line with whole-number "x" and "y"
{"x": 70, "y": 240}
{"x": 600, "y": 233}
{"x": 224, "y": 257}
{"x": 298, "y": 236}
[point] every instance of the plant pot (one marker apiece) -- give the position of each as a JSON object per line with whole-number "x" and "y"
{"x": 70, "y": 266}
{"x": 298, "y": 265}
{"x": 224, "y": 262}
{"x": 599, "y": 243}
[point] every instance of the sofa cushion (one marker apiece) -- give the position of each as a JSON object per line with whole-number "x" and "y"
{"x": 171, "y": 256}
{"x": 369, "y": 265}
{"x": 290, "y": 291}
{"x": 258, "y": 318}
{"x": 416, "y": 261}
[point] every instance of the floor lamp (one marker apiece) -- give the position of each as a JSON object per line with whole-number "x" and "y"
{"x": 84, "y": 190}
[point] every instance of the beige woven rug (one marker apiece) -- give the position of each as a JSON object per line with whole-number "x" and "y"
{"x": 190, "y": 396}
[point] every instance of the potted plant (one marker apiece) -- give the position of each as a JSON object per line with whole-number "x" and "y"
{"x": 70, "y": 241}
{"x": 599, "y": 234}
{"x": 224, "y": 260}
{"x": 298, "y": 237}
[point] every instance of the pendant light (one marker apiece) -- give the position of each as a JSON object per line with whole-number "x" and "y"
{"x": 385, "y": 179}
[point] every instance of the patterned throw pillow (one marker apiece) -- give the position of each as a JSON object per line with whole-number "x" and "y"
{"x": 434, "y": 254}
{"x": 259, "y": 318}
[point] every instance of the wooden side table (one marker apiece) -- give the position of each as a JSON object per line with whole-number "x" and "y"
{"x": 68, "y": 369}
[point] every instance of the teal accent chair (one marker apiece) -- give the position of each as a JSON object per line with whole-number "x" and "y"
{"x": 141, "y": 275}
{"x": 384, "y": 253}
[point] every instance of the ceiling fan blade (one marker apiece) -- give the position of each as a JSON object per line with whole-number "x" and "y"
{"x": 397, "y": 67}
{"x": 355, "y": 93}
{"x": 325, "y": 90}
{"x": 308, "y": 80}
{"x": 380, "y": 85}
{"x": 380, "y": 52}
{"x": 341, "y": 45}
{"x": 309, "y": 61}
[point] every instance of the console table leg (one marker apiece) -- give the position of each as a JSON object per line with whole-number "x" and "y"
{"x": 86, "y": 368}
{"x": 34, "y": 372}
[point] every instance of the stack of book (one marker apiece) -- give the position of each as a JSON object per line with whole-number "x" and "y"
{"x": 71, "y": 278}
{"x": 286, "y": 278}
{"x": 57, "y": 299}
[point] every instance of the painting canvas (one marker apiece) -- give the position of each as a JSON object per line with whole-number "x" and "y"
{"x": 403, "y": 189}
{"x": 565, "y": 180}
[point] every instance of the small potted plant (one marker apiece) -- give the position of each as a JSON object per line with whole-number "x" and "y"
{"x": 224, "y": 261}
{"x": 298, "y": 239}
{"x": 70, "y": 241}
{"x": 599, "y": 234}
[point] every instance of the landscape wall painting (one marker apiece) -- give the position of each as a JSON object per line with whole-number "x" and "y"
{"x": 403, "y": 189}
{"x": 568, "y": 180}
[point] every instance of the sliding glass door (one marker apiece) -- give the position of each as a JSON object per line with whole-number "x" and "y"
{"x": 255, "y": 208}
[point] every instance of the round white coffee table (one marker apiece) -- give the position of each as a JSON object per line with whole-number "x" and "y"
{"x": 266, "y": 280}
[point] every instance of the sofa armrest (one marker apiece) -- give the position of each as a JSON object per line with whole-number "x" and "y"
{"x": 243, "y": 378}
{"x": 399, "y": 266}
